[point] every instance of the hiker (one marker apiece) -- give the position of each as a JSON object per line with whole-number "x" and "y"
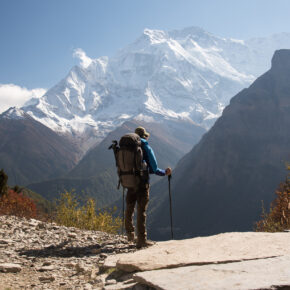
{"x": 141, "y": 193}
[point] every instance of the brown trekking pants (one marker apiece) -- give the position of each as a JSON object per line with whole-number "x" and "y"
{"x": 141, "y": 196}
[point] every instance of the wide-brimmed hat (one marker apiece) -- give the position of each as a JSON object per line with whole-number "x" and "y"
{"x": 141, "y": 132}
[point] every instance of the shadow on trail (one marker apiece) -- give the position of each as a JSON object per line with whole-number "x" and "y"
{"x": 62, "y": 250}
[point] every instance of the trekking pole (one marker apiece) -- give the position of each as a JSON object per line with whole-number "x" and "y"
{"x": 169, "y": 187}
{"x": 123, "y": 219}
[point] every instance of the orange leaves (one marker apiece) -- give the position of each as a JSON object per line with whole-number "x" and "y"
{"x": 281, "y": 206}
{"x": 12, "y": 203}
{"x": 279, "y": 217}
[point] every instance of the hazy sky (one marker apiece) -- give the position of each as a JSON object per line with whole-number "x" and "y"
{"x": 38, "y": 37}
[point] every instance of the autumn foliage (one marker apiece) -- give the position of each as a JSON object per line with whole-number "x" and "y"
{"x": 278, "y": 219}
{"x": 67, "y": 210}
{"x": 13, "y": 203}
{"x": 71, "y": 214}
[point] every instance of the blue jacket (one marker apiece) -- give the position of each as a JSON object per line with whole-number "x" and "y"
{"x": 150, "y": 159}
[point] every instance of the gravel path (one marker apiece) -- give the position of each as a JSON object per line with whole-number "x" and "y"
{"x": 38, "y": 255}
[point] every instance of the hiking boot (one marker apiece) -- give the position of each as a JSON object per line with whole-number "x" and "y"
{"x": 130, "y": 237}
{"x": 144, "y": 244}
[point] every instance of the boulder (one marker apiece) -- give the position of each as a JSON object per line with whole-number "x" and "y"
{"x": 227, "y": 247}
{"x": 255, "y": 274}
{"x": 10, "y": 268}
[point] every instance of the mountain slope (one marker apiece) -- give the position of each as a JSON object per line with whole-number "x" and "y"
{"x": 31, "y": 152}
{"x": 96, "y": 174}
{"x": 167, "y": 139}
{"x": 219, "y": 185}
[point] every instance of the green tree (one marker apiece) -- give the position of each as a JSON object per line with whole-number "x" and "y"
{"x": 3, "y": 182}
{"x": 17, "y": 189}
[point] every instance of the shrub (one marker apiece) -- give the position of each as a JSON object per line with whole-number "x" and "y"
{"x": 69, "y": 213}
{"x": 278, "y": 219}
{"x": 13, "y": 203}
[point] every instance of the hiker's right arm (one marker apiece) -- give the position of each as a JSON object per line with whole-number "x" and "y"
{"x": 152, "y": 160}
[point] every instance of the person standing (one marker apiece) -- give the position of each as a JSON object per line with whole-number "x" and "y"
{"x": 140, "y": 195}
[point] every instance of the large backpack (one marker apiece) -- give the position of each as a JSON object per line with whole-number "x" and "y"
{"x": 129, "y": 160}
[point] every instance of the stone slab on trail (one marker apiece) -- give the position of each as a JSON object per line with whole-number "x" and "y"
{"x": 227, "y": 247}
{"x": 10, "y": 268}
{"x": 256, "y": 274}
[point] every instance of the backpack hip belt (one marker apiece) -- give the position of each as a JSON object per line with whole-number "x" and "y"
{"x": 133, "y": 172}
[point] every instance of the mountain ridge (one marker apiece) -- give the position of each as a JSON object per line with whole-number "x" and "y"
{"x": 219, "y": 185}
{"x": 30, "y": 151}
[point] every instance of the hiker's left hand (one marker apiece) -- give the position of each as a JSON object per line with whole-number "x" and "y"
{"x": 168, "y": 171}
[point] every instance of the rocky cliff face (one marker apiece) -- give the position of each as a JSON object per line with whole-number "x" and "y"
{"x": 219, "y": 185}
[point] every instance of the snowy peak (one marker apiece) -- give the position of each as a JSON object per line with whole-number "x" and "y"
{"x": 155, "y": 36}
{"x": 186, "y": 74}
{"x": 14, "y": 113}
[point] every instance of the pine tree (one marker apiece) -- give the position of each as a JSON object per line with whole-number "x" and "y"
{"x": 3, "y": 182}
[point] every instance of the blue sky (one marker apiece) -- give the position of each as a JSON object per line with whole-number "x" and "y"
{"x": 38, "y": 37}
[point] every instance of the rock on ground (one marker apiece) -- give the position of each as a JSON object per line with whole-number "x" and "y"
{"x": 10, "y": 268}
{"x": 255, "y": 274}
{"x": 228, "y": 247}
{"x": 225, "y": 261}
{"x": 39, "y": 255}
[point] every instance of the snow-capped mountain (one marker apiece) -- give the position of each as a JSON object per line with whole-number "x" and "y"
{"x": 14, "y": 113}
{"x": 185, "y": 75}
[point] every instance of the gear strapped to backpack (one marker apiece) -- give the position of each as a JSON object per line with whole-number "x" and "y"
{"x": 129, "y": 160}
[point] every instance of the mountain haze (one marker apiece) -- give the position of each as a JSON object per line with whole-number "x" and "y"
{"x": 219, "y": 185}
